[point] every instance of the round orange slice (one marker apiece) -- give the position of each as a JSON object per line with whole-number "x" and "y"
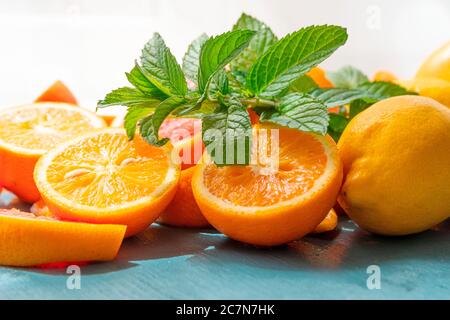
{"x": 277, "y": 200}
{"x": 27, "y": 132}
{"x": 102, "y": 177}
{"x": 28, "y": 240}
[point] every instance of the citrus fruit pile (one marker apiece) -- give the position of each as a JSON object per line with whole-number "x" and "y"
{"x": 90, "y": 186}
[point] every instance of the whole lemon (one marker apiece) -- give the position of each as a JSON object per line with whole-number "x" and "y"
{"x": 396, "y": 157}
{"x": 435, "y": 88}
{"x": 437, "y": 65}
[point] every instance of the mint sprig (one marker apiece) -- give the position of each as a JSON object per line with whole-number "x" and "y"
{"x": 247, "y": 67}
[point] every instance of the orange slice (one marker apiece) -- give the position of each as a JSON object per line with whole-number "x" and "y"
{"x": 27, "y": 132}
{"x": 58, "y": 92}
{"x": 265, "y": 205}
{"x": 27, "y": 240}
{"x": 103, "y": 177}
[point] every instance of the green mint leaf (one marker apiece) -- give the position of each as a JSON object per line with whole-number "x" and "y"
{"x": 299, "y": 111}
{"x": 137, "y": 78}
{"x": 133, "y": 116}
{"x": 218, "y": 51}
{"x": 380, "y": 90}
{"x": 337, "y": 125}
{"x": 263, "y": 39}
{"x": 293, "y": 56}
{"x": 369, "y": 91}
{"x": 335, "y": 97}
{"x": 161, "y": 68}
{"x": 196, "y": 110}
{"x": 150, "y": 125}
{"x": 220, "y": 83}
{"x": 347, "y": 77}
{"x": 303, "y": 84}
{"x": 192, "y": 57}
{"x": 126, "y": 96}
{"x": 357, "y": 107}
{"x": 227, "y": 134}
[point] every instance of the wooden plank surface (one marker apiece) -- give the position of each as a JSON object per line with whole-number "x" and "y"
{"x": 173, "y": 263}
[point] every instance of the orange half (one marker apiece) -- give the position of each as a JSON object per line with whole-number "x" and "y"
{"x": 27, "y": 132}
{"x": 103, "y": 177}
{"x": 263, "y": 204}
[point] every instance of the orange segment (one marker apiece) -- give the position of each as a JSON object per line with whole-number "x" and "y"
{"x": 29, "y": 131}
{"x": 27, "y": 240}
{"x": 263, "y": 205}
{"x": 57, "y": 92}
{"x": 104, "y": 178}
{"x": 183, "y": 210}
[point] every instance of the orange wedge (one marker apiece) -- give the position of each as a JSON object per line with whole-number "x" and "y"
{"x": 264, "y": 204}
{"x": 28, "y": 240}
{"x": 27, "y": 132}
{"x": 183, "y": 211}
{"x": 103, "y": 177}
{"x": 58, "y": 92}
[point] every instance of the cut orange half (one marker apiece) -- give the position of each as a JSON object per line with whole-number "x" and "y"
{"x": 263, "y": 204}
{"x": 27, "y": 132}
{"x": 103, "y": 177}
{"x": 27, "y": 240}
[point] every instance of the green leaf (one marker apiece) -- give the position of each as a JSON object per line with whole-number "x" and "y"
{"x": 150, "y": 125}
{"x": 293, "y": 56}
{"x": 347, "y": 77}
{"x": 357, "y": 107}
{"x": 137, "y": 78}
{"x": 219, "y": 51}
{"x": 263, "y": 39}
{"x": 227, "y": 134}
{"x": 134, "y": 114}
{"x": 369, "y": 91}
{"x": 380, "y": 90}
{"x": 161, "y": 68}
{"x": 335, "y": 97}
{"x": 126, "y": 96}
{"x": 192, "y": 56}
{"x": 303, "y": 84}
{"x": 299, "y": 111}
{"x": 220, "y": 82}
{"x": 337, "y": 125}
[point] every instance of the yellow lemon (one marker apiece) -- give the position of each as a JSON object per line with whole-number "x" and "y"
{"x": 437, "y": 65}
{"x": 396, "y": 157}
{"x": 435, "y": 88}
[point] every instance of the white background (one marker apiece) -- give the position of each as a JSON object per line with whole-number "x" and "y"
{"x": 89, "y": 44}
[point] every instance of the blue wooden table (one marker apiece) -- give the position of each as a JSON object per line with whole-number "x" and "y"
{"x": 173, "y": 263}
